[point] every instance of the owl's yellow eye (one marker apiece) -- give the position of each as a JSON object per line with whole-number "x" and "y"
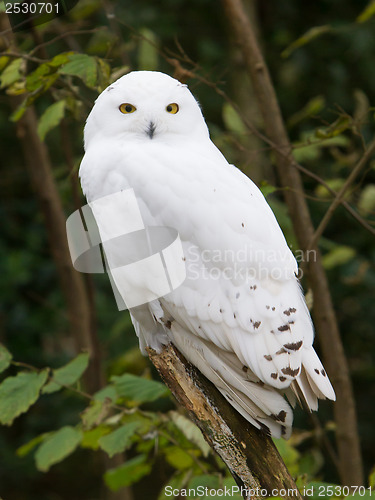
{"x": 172, "y": 108}
{"x": 127, "y": 108}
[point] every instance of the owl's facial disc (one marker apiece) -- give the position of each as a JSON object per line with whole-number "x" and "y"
{"x": 151, "y": 130}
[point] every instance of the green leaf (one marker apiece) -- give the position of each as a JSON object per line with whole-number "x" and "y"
{"x": 3, "y": 62}
{"x": 230, "y": 483}
{"x": 82, "y": 66}
{"x": 309, "y": 148}
{"x": 371, "y": 478}
{"x": 138, "y": 389}
{"x": 335, "y": 184}
{"x": 118, "y": 440}
{"x": 60, "y": 59}
{"x": 129, "y": 473}
{"x": 289, "y": 454}
{"x": 36, "y": 78}
{"x": 176, "y": 482}
{"x": 19, "y": 111}
{"x": 91, "y": 438}
{"x": 57, "y": 446}
{"x": 104, "y": 71}
{"x": 367, "y": 13}
{"x": 232, "y": 120}
{"x": 18, "y": 393}
{"x": 108, "y": 392}
{"x": 210, "y": 482}
{"x": 310, "y": 463}
{"x": 366, "y": 202}
{"x": 5, "y": 358}
{"x": 95, "y": 413}
{"x": 338, "y": 256}
{"x": 312, "y": 108}
{"x": 334, "y": 129}
{"x": 51, "y": 118}
{"x": 191, "y": 432}
{"x": 11, "y": 73}
{"x": 26, "y": 448}
{"x": 178, "y": 458}
{"x": 266, "y": 188}
{"x": 68, "y": 374}
{"x": 148, "y": 50}
{"x": 307, "y": 37}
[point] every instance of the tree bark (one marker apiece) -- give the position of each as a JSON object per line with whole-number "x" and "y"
{"x": 250, "y": 455}
{"x": 350, "y": 462}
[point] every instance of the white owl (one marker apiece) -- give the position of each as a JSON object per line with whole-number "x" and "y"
{"x": 240, "y": 315}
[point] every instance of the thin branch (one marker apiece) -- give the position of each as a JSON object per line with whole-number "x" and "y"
{"x": 340, "y": 195}
{"x": 344, "y": 203}
{"x": 23, "y": 56}
{"x": 65, "y": 34}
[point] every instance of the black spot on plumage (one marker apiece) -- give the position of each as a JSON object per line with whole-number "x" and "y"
{"x": 289, "y": 311}
{"x": 293, "y": 346}
{"x": 281, "y": 351}
{"x": 281, "y": 416}
{"x": 257, "y": 324}
{"x": 168, "y": 324}
{"x": 323, "y": 373}
{"x": 268, "y": 357}
{"x": 284, "y": 328}
{"x": 274, "y": 375}
{"x": 316, "y": 371}
{"x": 289, "y": 371}
{"x": 282, "y": 378}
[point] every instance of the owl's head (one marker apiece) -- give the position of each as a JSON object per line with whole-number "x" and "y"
{"x": 145, "y": 105}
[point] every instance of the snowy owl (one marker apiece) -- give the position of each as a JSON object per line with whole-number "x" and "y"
{"x": 240, "y": 316}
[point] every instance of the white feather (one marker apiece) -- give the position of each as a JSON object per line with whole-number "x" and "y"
{"x": 241, "y": 306}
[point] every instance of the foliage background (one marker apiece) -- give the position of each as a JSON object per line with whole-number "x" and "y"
{"x": 327, "y": 79}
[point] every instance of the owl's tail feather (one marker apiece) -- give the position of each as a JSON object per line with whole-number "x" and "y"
{"x": 263, "y": 406}
{"x": 313, "y": 382}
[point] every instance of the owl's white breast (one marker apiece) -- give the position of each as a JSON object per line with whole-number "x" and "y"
{"x": 191, "y": 187}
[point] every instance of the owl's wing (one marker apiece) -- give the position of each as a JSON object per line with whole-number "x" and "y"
{"x": 239, "y": 317}
{"x": 252, "y": 367}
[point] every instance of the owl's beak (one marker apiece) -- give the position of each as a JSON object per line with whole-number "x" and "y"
{"x": 151, "y": 129}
